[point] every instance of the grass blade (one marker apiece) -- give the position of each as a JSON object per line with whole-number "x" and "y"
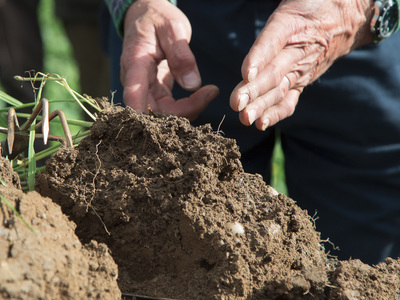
{"x": 9, "y": 100}
{"x": 31, "y": 160}
{"x": 17, "y": 213}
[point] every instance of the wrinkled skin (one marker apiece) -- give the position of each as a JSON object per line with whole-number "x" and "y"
{"x": 155, "y": 53}
{"x": 300, "y": 41}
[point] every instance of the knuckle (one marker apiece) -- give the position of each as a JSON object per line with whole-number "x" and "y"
{"x": 253, "y": 91}
{"x": 282, "y": 111}
{"x": 181, "y": 56}
{"x": 288, "y": 108}
{"x": 282, "y": 90}
{"x": 276, "y": 74}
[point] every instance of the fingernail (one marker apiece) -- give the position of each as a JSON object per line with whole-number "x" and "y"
{"x": 252, "y": 116}
{"x": 265, "y": 124}
{"x": 191, "y": 80}
{"x": 243, "y": 100}
{"x": 252, "y": 74}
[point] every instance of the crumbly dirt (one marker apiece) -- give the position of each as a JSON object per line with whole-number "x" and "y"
{"x": 45, "y": 259}
{"x": 7, "y": 174}
{"x": 355, "y": 280}
{"x": 184, "y": 221}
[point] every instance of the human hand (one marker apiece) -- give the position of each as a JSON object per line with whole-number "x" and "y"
{"x": 155, "y": 53}
{"x": 300, "y": 41}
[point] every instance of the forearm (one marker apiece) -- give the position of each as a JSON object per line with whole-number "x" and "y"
{"x": 118, "y": 8}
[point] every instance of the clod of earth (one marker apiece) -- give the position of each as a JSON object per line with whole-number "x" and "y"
{"x": 184, "y": 221}
{"x": 50, "y": 263}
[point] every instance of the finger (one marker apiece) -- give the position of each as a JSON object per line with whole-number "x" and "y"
{"x": 278, "y": 112}
{"x": 137, "y": 74}
{"x": 299, "y": 61}
{"x": 135, "y": 96}
{"x": 165, "y": 77}
{"x": 181, "y": 60}
{"x": 238, "y": 99}
{"x": 245, "y": 92}
{"x": 183, "y": 66}
{"x": 162, "y": 86}
{"x": 191, "y": 106}
{"x": 271, "y": 40}
{"x": 254, "y": 110}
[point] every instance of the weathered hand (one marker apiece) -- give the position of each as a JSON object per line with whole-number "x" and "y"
{"x": 155, "y": 53}
{"x": 300, "y": 41}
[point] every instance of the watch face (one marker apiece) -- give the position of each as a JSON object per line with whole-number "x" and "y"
{"x": 389, "y": 19}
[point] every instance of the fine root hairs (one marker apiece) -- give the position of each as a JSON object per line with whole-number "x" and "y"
{"x": 94, "y": 189}
{"x": 220, "y": 124}
{"x": 314, "y": 218}
{"x": 97, "y": 169}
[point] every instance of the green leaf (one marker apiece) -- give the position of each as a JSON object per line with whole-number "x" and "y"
{"x": 8, "y": 99}
{"x": 31, "y": 159}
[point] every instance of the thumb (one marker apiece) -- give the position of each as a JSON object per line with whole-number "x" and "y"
{"x": 183, "y": 66}
{"x": 174, "y": 40}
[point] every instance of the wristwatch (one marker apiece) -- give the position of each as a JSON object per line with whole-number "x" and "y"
{"x": 386, "y": 19}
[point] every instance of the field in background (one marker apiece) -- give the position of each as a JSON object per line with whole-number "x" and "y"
{"x": 58, "y": 55}
{"x": 278, "y": 180}
{"x": 58, "y": 59}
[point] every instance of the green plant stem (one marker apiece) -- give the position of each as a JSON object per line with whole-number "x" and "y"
{"x": 20, "y": 168}
{"x": 70, "y": 121}
{"x": 74, "y": 95}
{"x": 62, "y": 81}
{"x": 25, "y": 105}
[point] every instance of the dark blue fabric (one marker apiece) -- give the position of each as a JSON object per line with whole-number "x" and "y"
{"x": 342, "y": 145}
{"x": 222, "y": 34}
{"x": 115, "y": 67}
{"x": 112, "y": 46}
{"x": 342, "y": 149}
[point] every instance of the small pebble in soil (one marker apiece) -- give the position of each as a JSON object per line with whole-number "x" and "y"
{"x": 236, "y": 228}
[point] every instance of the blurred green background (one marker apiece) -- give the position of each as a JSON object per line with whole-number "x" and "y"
{"x": 58, "y": 59}
{"x": 58, "y": 53}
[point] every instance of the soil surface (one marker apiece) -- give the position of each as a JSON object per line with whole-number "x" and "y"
{"x": 183, "y": 220}
{"x": 45, "y": 259}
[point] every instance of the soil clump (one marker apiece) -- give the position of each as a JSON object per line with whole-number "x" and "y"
{"x": 184, "y": 221}
{"x": 44, "y": 259}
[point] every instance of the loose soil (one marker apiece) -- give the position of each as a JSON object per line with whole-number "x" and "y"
{"x": 181, "y": 219}
{"x": 50, "y": 261}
